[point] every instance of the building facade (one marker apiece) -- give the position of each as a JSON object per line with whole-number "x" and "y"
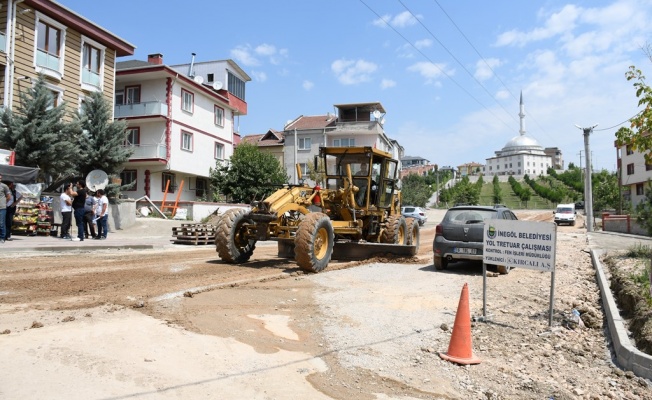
{"x": 634, "y": 173}
{"x": 179, "y": 126}
{"x": 75, "y": 56}
{"x": 270, "y": 142}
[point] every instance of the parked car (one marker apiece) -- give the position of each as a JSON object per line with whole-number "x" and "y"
{"x": 417, "y": 213}
{"x": 460, "y": 234}
{"x": 579, "y": 205}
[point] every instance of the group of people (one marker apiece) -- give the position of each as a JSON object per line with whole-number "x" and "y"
{"x": 9, "y": 199}
{"x": 88, "y": 210}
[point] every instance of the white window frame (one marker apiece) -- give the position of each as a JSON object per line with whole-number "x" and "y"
{"x": 191, "y": 95}
{"x": 339, "y": 142}
{"x": 58, "y": 90}
{"x": 88, "y": 86}
{"x": 302, "y": 143}
{"x": 219, "y": 115}
{"x": 186, "y": 146}
{"x": 129, "y": 133}
{"x": 304, "y": 169}
{"x": 218, "y": 151}
{"x": 58, "y": 73}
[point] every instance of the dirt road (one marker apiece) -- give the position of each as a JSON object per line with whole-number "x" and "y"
{"x": 179, "y": 323}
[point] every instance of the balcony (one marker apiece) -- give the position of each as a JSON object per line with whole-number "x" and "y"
{"x": 46, "y": 60}
{"x": 3, "y": 42}
{"x": 147, "y": 109}
{"x": 145, "y": 151}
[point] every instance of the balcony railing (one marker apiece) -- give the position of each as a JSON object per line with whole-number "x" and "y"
{"x": 146, "y": 109}
{"x": 47, "y": 60}
{"x": 3, "y": 42}
{"x": 148, "y": 150}
{"x": 91, "y": 78}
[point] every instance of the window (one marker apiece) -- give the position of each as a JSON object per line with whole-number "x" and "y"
{"x": 304, "y": 143}
{"x": 236, "y": 86}
{"x": 630, "y": 151}
{"x": 200, "y": 187}
{"x": 304, "y": 169}
{"x": 343, "y": 142}
{"x": 168, "y": 177}
{"x": 219, "y": 116}
{"x": 630, "y": 169}
{"x": 50, "y": 39}
{"x": 92, "y": 64}
{"x": 119, "y": 97}
{"x": 519, "y": 164}
{"x": 132, "y": 95}
{"x": 210, "y": 77}
{"x": 132, "y": 137}
{"x": 219, "y": 151}
{"x": 186, "y": 141}
{"x": 56, "y": 99}
{"x": 187, "y": 101}
{"x": 640, "y": 189}
{"x": 128, "y": 176}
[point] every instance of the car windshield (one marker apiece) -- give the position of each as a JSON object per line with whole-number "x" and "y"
{"x": 469, "y": 216}
{"x": 408, "y": 209}
{"x": 565, "y": 210}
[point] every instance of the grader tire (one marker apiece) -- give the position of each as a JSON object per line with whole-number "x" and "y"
{"x": 230, "y": 245}
{"x": 313, "y": 245}
{"x": 503, "y": 269}
{"x": 396, "y": 231}
{"x": 414, "y": 233}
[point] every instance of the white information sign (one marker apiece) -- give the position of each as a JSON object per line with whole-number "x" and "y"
{"x": 520, "y": 244}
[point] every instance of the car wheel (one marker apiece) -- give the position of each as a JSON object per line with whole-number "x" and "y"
{"x": 440, "y": 263}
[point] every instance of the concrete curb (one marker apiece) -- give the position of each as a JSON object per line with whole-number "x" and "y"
{"x": 627, "y": 355}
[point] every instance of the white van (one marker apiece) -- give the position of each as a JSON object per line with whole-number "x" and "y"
{"x": 565, "y": 214}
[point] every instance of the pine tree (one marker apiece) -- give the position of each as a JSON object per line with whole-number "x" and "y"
{"x": 38, "y": 134}
{"x": 101, "y": 139}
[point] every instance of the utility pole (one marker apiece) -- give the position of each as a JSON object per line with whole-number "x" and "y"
{"x": 581, "y": 170}
{"x": 588, "y": 194}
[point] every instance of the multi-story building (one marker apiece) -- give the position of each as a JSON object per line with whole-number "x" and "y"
{"x": 270, "y": 142}
{"x": 75, "y": 56}
{"x": 556, "y": 157}
{"x": 358, "y": 124}
{"x": 470, "y": 169}
{"x": 180, "y": 124}
{"x": 634, "y": 173}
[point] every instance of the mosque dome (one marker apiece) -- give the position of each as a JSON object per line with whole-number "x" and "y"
{"x": 522, "y": 144}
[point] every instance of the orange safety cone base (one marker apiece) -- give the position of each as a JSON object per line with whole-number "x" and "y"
{"x": 458, "y": 360}
{"x": 460, "y": 349}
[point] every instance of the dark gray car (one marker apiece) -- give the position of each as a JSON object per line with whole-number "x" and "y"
{"x": 459, "y": 235}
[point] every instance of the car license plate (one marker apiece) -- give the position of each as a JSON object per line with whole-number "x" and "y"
{"x": 464, "y": 250}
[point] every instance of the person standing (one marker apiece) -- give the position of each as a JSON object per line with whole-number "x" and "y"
{"x": 66, "y": 211}
{"x": 89, "y": 214}
{"x": 5, "y": 195}
{"x": 11, "y": 209}
{"x": 102, "y": 214}
{"x": 78, "y": 202}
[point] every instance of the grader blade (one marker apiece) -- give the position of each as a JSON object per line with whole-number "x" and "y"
{"x": 363, "y": 251}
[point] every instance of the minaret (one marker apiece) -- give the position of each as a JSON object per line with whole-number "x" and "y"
{"x": 521, "y": 114}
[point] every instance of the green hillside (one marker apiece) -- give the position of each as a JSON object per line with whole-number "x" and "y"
{"x": 510, "y": 199}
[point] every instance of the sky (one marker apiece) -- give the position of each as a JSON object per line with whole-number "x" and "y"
{"x": 448, "y": 73}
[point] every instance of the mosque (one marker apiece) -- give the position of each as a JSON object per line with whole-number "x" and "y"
{"x": 523, "y": 155}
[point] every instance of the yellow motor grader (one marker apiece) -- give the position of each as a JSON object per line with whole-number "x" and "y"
{"x": 355, "y": 215}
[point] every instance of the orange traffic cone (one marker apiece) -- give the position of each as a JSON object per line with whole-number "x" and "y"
{"x": 460, "y": 349}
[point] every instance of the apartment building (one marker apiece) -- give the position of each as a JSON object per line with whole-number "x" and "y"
{"x": 75, "y": 55}
{"x": 181, "y": 123}
{"x": 634, "y": 173}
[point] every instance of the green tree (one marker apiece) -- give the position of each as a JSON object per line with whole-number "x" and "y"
{"x": 101, "y": 138}
{"x": 644, "y": 209}
{"x": 415, "y": 190}
{"x": 38, "y": 135}
{"x": 498, "y": 193}
{"x": 251, "y": 174}
{"x": 318, "y": 175}
{"x": 637, "y": 136}
{"x": 605, "y": 190}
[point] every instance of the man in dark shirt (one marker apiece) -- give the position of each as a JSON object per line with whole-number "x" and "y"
{"x": 78, "y": 201}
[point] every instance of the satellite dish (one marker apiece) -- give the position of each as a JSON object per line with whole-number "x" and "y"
{"x": 382, "y": 121}
{"x": 96, "y": 179}
{"x": 199, "y": 79}
{"x": 376, "y": 114}
{"x": 217, "y": 85}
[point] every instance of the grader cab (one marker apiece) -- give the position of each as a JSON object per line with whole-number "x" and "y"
{"x": 356, "y": 214}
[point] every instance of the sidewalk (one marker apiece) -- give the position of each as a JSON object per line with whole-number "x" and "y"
{"x": 146, "y": 233}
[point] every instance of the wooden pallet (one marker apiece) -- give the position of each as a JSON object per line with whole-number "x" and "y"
{"x": 194, "y": 234}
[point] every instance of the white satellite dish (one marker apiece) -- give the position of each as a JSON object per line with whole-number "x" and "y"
{"x": 376, "y": 114}
{"x": 199, "y": 79}
{"x": 96, "y": 179}
{"x": 217, "y": 85}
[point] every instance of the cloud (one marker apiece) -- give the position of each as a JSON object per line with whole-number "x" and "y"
{"x": 307, "y": 85}
{"x": 260, "y": 76}
{"x": 265, "y": 49}
{"x": 423, "y": 43}
{"x": 557, "y": 24}
{"x": 430, "y": 71}
{"x": 351, "y": 72}
{"x": 242, "y": 54}
{"x": 401, "y": 20}
{"x": 387, "y": 83}
{"x": 251, "y": 56}
{"x": 484, "y": 68}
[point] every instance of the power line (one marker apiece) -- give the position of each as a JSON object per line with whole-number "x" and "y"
{"x": 436, "y": 66}
{"x": 624, "y": 122}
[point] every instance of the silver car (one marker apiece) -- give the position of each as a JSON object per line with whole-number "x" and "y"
{"x": 417, "y": 213}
